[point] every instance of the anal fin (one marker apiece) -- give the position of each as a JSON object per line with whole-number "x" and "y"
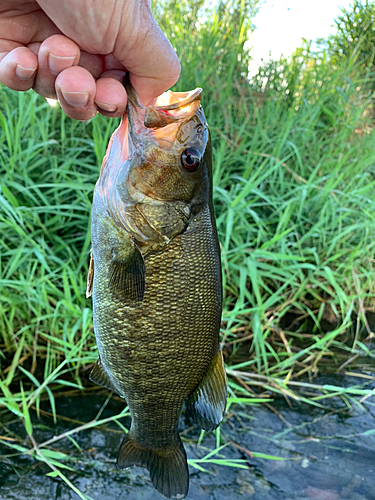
{"x": 167, "y": 466}
{"x": 207, "y": 404}
{"x": 99, "y": 376}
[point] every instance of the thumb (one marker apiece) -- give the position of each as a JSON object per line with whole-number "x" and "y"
{"x": 148, "y": 56}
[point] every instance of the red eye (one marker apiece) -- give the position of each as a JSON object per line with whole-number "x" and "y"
{"x": 191, "y": 159}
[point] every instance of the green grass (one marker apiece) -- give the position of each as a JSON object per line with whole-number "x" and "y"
{"x": 294, "y": 186}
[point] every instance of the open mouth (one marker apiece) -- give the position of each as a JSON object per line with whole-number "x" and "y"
{"x": 169, "y": 107}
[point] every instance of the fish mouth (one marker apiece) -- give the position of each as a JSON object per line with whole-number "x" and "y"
{"x": 169, "y": 108}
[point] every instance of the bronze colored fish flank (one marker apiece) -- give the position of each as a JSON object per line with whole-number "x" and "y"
{"x": 155, "y": 280}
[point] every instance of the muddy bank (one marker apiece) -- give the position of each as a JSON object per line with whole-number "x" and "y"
{"x": 324, "y": 455}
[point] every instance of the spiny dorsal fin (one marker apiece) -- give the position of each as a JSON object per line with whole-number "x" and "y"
{"x": 90, "y": 276}
{"x": 99, "y": 376}
{"x": 127, "y": 277}
{"x": 167, "y": 466}
{"x": 207, "y": 404}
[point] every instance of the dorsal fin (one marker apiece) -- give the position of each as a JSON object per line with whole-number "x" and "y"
{"x": 99, "y": 376}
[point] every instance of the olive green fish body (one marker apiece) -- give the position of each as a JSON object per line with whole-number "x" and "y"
{"x": 156, "y": 288}
{"x": 157, "y": 353}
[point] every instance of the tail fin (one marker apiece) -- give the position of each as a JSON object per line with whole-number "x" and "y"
{"x": 167, "y": 466}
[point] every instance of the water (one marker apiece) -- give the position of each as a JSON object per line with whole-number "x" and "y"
{"x": 328, "y": 455}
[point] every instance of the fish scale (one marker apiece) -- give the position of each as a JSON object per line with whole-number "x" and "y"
{"x": 156, "y": 286}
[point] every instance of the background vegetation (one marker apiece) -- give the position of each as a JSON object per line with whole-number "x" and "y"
{"x": 294, "y": 197}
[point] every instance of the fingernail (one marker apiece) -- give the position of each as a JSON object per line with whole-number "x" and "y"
{"x": 57, "y": 63}
{"x": 24, "y": 73}
{"x": 111, "y": 108}
{"x": 76, "y": 99}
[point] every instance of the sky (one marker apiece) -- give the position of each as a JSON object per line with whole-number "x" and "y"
{"x": 281, "y": 25}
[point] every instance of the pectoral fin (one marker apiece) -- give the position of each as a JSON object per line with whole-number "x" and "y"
{"x": 206, "y": 405}
{"x": 127, "y": 276}
{"x": 90, "y": 276}
{"x": 99, "y": 376}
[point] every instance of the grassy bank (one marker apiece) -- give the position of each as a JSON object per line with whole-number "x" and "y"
{"x": 294, "y": 198}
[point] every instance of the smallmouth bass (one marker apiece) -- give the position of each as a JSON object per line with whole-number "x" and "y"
{"x": 155, "y": 281}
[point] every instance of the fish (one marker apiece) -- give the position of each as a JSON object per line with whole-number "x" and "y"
{"x": 155, "y": 282}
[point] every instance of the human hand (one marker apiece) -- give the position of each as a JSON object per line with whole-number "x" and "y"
{"x": 79, "y": 50}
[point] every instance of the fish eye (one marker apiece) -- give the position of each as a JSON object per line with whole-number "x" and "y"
{"x": 191, "y": 159}
{"x": 199, "y": 129}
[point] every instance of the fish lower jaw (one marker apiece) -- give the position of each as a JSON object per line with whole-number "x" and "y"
{"x": 130, "y": 227}
{"x": 119, "y": 212}
{"x": 134, "y": 195}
